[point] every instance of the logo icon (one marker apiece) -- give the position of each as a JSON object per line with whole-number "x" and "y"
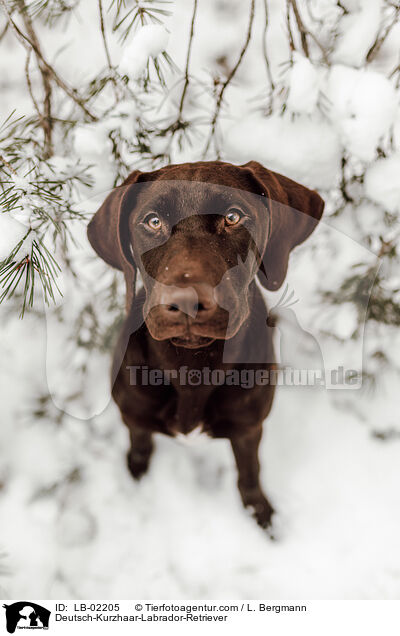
{"x": 26, "y": 615}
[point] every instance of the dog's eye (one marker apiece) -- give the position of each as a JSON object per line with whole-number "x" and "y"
{"x": 233, "y": 216}
{"x": 153, "y": 221}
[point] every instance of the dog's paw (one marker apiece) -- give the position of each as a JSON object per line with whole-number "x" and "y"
{"x": 262, "y": 513}
{"x": 261, "y": 509}
{"x": 137, "y": 464}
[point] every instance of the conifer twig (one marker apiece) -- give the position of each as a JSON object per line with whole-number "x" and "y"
{"x": 228, "y": 80}
{"x": 28, "y": 44}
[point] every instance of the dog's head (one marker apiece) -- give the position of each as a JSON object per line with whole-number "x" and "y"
{"x": 199, "y": 233}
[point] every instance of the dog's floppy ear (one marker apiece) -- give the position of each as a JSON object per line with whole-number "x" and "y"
{"x": 108, "y": 232}
{"x": 295, "y": 211}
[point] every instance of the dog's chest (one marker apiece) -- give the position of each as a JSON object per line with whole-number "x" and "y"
{"x": 195, "y": 437}
{"x": 190, "y": 410}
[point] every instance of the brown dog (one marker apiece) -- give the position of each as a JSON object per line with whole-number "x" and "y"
{"x": 199, "y": 234}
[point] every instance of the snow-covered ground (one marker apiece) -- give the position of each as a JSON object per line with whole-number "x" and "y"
{"x": 73, "y": 524}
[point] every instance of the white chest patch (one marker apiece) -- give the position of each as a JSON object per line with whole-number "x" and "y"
{"x": 194, "y": 438}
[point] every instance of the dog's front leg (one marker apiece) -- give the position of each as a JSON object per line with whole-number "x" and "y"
{"x": 245, "y": 450}
{"x": 139, "y": 454}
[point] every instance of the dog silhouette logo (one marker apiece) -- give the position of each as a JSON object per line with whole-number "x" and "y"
{"x": 298, "y": 348}
{"x": 26, "y": 615}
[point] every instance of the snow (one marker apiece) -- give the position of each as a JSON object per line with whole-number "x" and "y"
{"x": 358, "y": 30}
{"x": 91, "y": 141}
{"x": 11, "y": 233}
{"x": 93, "y": 145}
{"x": 346, "y": 320}
{"x": 303, "y": 86}
{"x": 21, "y": 183}
{"x": 363, "y": 108}
{"x": 122, "y": 117}
{"x": 289, "y": 146}
{"x": 150, "y": 41}
{"x": 98, "y": 535}
{"x": 382, "y": 183}
{"x": 75, "y": 524}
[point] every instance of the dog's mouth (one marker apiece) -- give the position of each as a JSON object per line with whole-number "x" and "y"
{"x": 191, "y": 341}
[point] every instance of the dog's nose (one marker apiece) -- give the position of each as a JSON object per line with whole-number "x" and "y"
{"x": 196, "y": 301}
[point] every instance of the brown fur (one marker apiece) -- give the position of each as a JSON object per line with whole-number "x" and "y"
{"x": 199, "y": 296}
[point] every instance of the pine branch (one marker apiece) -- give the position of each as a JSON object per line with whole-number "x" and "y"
{"x": 228, "y": 80}
{"x": 28, "y": 44}
{"x": 103, "y": 35}
{"x": 50, "y": 10}
{"x": 304, "y": 32}
{"x": 265, "y": 53}
{"x": 189, "y": 51}
{"x": 381, "y": 37}
{"x": 139, "y": 15}
{"x": 45, "y": 118}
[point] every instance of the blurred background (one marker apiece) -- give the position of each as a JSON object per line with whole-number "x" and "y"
{"x": 92, "y": 90}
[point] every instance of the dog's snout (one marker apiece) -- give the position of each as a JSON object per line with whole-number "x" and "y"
{"x": 196, "y": 301}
